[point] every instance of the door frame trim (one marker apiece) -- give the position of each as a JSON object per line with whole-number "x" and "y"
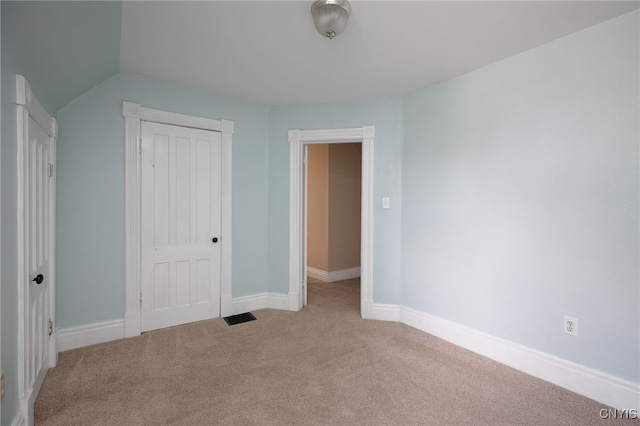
{"x": 298, "y": 139}
{"x": 29, "y": 106}
{"x": 134, "y": 114}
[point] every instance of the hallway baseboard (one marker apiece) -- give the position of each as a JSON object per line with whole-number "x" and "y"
{"x": 333, "y": 276}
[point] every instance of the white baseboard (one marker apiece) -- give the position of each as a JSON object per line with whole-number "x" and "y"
{"x": 333, "y": 276}
{"x": 277, "y": 301}
{"x": 595, "y": 384}
{"x": 318, "y": 274}
{"x": 132, "y": 324}
{"x": 90, "y": 334}
{"x": 226, "y": 305}
{"x": 366, "y": 309}
{"x": 384, "y": 312}
{"x": 260, "y": 301}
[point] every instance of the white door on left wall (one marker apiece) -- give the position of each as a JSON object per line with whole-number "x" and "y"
{"x": 36, "y": 246}
{"x": 37, "y": 254}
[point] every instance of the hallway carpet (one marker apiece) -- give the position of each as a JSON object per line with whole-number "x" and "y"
{"x": 321, "y": 366}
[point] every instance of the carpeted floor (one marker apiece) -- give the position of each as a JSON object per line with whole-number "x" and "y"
{"x": 321, "y": 366}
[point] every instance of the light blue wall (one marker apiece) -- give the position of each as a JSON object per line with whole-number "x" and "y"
{"x": 90, "y": 246}
{"x": 2, "y": 103}
{"x": 66, "y": 47}
{"x": 386, "y": 116}
{"x": 91, "y": 190}
{"x": 9, "y": 283}
{"x": 520, "y": 198}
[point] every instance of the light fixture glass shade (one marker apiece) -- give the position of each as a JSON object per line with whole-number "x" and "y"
{"x": 330, "y": 16}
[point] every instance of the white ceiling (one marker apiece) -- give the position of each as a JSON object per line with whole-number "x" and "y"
{"x": 269, "y": 52}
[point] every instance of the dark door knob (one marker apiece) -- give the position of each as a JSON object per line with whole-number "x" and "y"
{"x": 214, "y": 239}
{"x": 38, "y": 279}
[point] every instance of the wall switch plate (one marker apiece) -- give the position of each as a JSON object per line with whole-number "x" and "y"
{"x": 385, "y": 202}
{"x": 570, "y": 326}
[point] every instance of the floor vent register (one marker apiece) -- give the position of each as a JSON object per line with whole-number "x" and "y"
{"x": 239, "y": 319}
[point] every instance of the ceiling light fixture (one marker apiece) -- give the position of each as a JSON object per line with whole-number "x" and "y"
{"x": 330, "y": 16}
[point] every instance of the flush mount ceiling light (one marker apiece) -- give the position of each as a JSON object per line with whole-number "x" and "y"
{"x": 330, "y": 16}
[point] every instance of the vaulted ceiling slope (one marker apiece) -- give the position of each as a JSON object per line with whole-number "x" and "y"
{"x": 65, "y": 47}
{"x": 269, "y": 52}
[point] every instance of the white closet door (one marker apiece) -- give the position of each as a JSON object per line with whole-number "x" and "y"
{"x": 181, "y": 174}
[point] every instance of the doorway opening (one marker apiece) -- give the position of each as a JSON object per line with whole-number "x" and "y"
{"x": 333, "y": 192}
{"x": 300, "y": 140}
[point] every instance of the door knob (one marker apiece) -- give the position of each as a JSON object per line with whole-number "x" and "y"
{"x": 214, "y": 239}
{"x": 39, "y": 279}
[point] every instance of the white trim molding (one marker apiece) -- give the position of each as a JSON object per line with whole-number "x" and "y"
{"x": 595, "y": 384}
{"x": 297, "y": 274}
{"x": 255, "y": 302}
{"x": 133, "y": 114}
{"x": 107, "y": 331}
{"x": 333, "y": 276}
{"x": 318, "y": 274}
{"x": 90, "y": 334}
{"x": 25, "y": 98}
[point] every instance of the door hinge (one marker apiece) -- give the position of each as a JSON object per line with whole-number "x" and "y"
{"x": 50, "y": 170}
{"x": 140, "y": 298}
{"x": 140, "y": 146}
{"x": 50, "y": 327}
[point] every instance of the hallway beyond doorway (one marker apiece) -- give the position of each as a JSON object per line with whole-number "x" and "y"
{"x": 341, "y": 295}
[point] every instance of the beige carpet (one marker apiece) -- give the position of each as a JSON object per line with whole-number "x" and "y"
{"x": 323, "y": 365}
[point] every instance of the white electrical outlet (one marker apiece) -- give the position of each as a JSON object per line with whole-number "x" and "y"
{"x": 570, "y": 326}
{"x": 385, "y": 203}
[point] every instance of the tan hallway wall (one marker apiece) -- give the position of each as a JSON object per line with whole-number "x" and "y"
{"x": 333, "y": 215}
{"x": 318, "y": 207}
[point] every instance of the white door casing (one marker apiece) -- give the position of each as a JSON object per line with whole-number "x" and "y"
{"x": 134, "y": 114}
{"x": 305, "y": 224}
{"x": 37, "y": 351}
{"x": 181, "y": 226}
{"x": 298, "y": 140}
